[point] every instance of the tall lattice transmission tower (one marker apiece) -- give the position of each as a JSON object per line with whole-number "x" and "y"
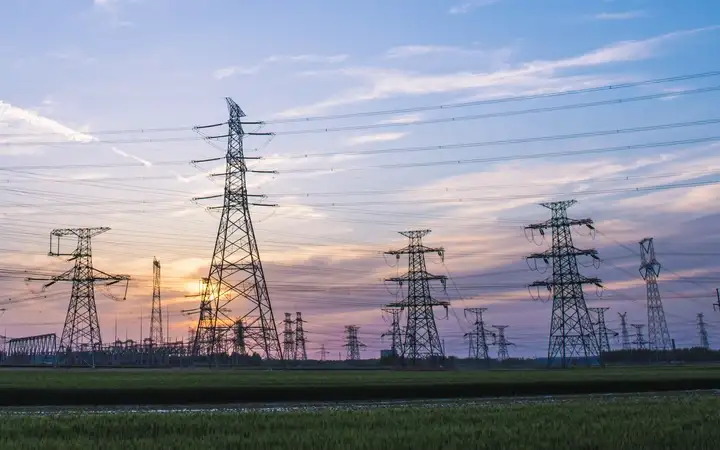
{"x": 395, "y": 333}
{"x": 571, "y": 330}
{"x": 300, "y": 350}
{"x": 477, "y": 338}
{"x": 82, "y": 327}
{"x": 704, "y": 343}
{"x": 624, "y": 332}
{"x": 603, "y": 333}
{"x": 639, "y": 341}
{"x": 236, "y": 276}
{"x": 501, "y": 342}
{"x": 352, "y": 343}
{"x": 156, "y": 319}
{"x": 421, "y": 338}
{"x": 288, "y": 337}
{"x": 658, "y": 334}
{"x": 323, "y": 353}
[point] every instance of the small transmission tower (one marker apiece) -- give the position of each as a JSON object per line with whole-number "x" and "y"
{"x": 236, "y": 275}
{"x": 300, "y": 350}
{"x": 421, "y": 340}
{"x": 639, "y": 337}
{"x": 394, "y": 332}
{"x": 82, "y": 327}
{"x": 571, "y": 330}
{"x": 624, "y": 332}
{"x": 477, "y": 338}
{"x": 703, "y": 332}
{"x": 658, "y": 334}
{"x": 352, "y": 343}
{"x": 288, "y": 337}
{"x": 156, "y": 320}
{"x": 323, "y": 353}
{"x": 501, "y": 342}
{"x": 603, "y": 333}
{"x": 716, "y": 306}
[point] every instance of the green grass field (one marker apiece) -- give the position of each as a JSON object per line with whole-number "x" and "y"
{"x": 683, "y": 422}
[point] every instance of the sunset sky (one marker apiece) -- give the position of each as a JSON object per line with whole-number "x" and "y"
{"x": 85, "y": 86}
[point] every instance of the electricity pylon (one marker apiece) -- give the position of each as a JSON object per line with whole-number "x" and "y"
{"x": 156, "y": 321}
{"x": 603, "y": 333}
{"x": 81, "y": 331}
{"x": 716, "y": 306}
{"x": 236, "y": 276}
{"x": 421, "y": 340}
{"x": 394, "y": 332}
{"x": 501, "y": 342}
{"x": 639, "y": 338}
{"x": 323, "y": 353}
{"x": 702, "y": 332}
{"x": 300, "y": 350}
{"x": 352, "y": 343}
{"x": 288, "y": 338}
{"x": 658, "y": 334}
{"x": 477, "y": 338}
{"x": 624, "y": 332}
{"x": 571, "y": 330}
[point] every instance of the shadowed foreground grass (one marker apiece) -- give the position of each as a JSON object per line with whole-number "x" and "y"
{"x": 687, "y": 422}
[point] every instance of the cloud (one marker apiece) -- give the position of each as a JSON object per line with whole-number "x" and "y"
{"x": 406, "y": 118}
{"x": 372, "y": 138}
{"x": 9, "y": 112}
{"x": 465, "y": 8}
{"x": 277, "y": 59}
{"x": 408, "y": 51}
{"x": 72, "y": 57}
{"x": 381, "y": 83}
{"x": 627, "y": 15}
{"x": 144, "y": 162}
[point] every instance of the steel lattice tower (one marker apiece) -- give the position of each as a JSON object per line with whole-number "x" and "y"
{"x": 323, "y": 353}
{"x": 501, "y": 342}
{"x": 288, "y": 337}
{"x": 421, "y": 338}
{"x": 624, "y": 332}
{"x": 394, "y": 332}
{"x": 639, "y": 338}
{"x": 603, "y": 333}
{"x": 236, "y": 274}
{"x": 156, "y": 321}
{"x": 716, "y": 306}
{"x": 571, "y": 330}
{"x": 82, "y": 327}
{"x": 658, "y": 334}
{"x": 702, "y": 332}
{"x": 300, "y": 350}
{"x": 353, "y": 344}
{"x": 477, "y": 338}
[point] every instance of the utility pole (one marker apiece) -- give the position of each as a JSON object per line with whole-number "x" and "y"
{"x": 477, "y": 338}
{"x": 300, "y": 351}
{"x": 571, "y": 330}
{"x": 603, "y": 333}
{"x": 352, "y": 343}
{"x": 421, "y": 340}
{"x": 625, "y": 335}
{"x": 236, "y": 274}
{"x": 703, "y": 332}
{"x": 501, "y": 342}
{"x": 639, "y": 338}
{"x": 658, "y": 334}
{"x": 288, "y": 338}
{"x": 323, "y": 353}
{"x": 394, "y": 332}
{"x": 82, "y": 327}
{"x": 156, "y": 327}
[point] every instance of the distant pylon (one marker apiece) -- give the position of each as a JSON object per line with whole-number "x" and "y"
{"x": 323, "y": 353}
{"x": 82, "y": 327}
{"x": 352, "y": 343}
{"x": 624, "y": 332}
{"x": 300, "y": 350}
{"x": 716, "y": 306}
{"x": 236, "y": 276}
{"x": 658, "y": 334}
{"x": 703, "y": 332}
{"x": 571, "y": 330}
{"x": 477, "y": 338}
{"x": 156, "y": 319}
{"x": 394, "y": 332}
{"x": 421, "y": 340}
{"x": 639, "y": 337}
{"x": 603, "y": 333}
{"x": 501, "y": 342}
{"x": 288, "y": 338}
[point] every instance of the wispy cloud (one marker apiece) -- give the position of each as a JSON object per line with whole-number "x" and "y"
{"x": 124, "y": 154}
{"x": 465, "y": 8}
{"x": 371, "y": 138}
{"x": 626, "y": 15}
{"x": 408, "y": 51}
{"x": 276, "y": 59}
{"x": 406, "y": 118}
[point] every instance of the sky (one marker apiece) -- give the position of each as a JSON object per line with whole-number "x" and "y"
{"x": 459, "y": 117}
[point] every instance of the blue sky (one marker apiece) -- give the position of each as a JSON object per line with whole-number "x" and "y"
{"x": 72, "y": 70}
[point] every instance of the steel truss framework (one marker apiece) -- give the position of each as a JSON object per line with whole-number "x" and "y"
{"x": 39, "y": 345}
{"x": 658, "y": 334}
